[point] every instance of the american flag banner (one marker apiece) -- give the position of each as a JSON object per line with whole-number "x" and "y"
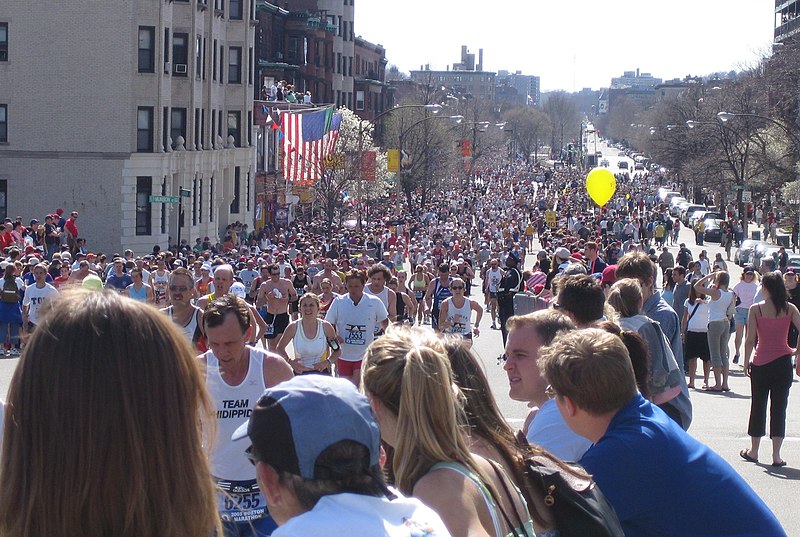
{"x": 308, "y": 137}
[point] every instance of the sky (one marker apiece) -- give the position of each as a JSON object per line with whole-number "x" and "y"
{"x": 572, "y": 44}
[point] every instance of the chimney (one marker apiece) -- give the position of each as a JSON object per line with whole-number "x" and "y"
{"x": 480, "y": 59}
{"x": 463, "y": 53}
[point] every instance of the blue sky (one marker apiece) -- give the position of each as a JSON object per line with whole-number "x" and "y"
{"x": 573, "y": 44}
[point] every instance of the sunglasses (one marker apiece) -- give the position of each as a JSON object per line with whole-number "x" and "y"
{"x": 456, "y": 287}
{"x": 178, "y": 288}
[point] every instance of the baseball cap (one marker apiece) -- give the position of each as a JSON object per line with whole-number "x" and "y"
{"x": 562, "y": 253}
{"x": 609, "y": 274}
{"x": 513, "y": 257}
{"x": 238, "y": 289}
{"x": 92, "y": 282}
{"x": 294, "y": 422}
{"x": 749, "y": 269}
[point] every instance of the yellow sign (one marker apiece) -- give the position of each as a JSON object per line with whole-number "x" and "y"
{"x": 334, "y": 162}
{"x": 393, "y": 160}
{"x": 550, "y": 217}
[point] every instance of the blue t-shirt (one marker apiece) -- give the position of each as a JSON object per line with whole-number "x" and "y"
{"x": 118, "y": 282}
{"x": 663, "y": 483}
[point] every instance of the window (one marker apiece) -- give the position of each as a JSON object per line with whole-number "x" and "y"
{"x": 3, "y": 41}
{"x": 3, "y": 198}
{"x": 211, "y": 197}
{"x": 194, "y": 201}
{"x": 198, "y": 57}
{"x": 147, "y": 49}
{"x": 3, "y": 123}
{"x": 177, "y": 125}
{"x": 234, "y": 65}
{"x": 204, "y": 63}
{"x": 144, "y": 220}
{"x": 250, "y": 128}
{"x": 144, "y": 129}
{"x": 359, "y": 100}
{"x": 197, "y": 132}
{"x": 237, "y": 187}
{"x": 180, "y": 54}
{"x": 200, "y": 202}
{"x": 213, "y": 129}
{"x": 202, "y": 128}
{"x": 236, "y": 10}
{"x": 165, "y": 128}
{"x": 250, "y": 66}
{"x": 234, "y": 120}
{"x": 166, "y": 45}
{"x": 214, "y": 61}
{"x": 247, "y": 200}
{"x": 222, "y": 64}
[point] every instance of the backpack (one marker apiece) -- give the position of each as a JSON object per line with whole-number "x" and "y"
{"x": 10, "y": 291}
{"x": 576, "y": 504}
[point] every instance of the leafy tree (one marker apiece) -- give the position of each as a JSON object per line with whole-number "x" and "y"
{"x": 529, "y": 128}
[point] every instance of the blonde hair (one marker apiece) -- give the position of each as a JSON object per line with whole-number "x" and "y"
{"x": 104, "y": 427}
{"x": 408, "y": 370}
{"x": 626, "y": 297}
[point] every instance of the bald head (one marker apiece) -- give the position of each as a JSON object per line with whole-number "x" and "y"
{"x": 223, "y": 279}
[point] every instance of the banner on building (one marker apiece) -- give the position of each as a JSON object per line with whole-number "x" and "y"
{"x": 393, "y": 160}
{"x": 466, "y": 148}
{"x": 282, "y": 214}
{"x": 368, "y": 164}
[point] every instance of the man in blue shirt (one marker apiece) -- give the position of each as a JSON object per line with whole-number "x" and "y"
{"x": 660, "y": 480}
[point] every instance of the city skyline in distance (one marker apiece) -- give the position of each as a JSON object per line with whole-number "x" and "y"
{"x": 572, "y": 45}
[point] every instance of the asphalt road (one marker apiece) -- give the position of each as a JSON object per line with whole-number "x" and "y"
{"x": 720, "y": 420}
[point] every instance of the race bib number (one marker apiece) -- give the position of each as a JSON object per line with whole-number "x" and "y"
{"x": 270, "y": 329}
{"x": 240, "y": 501}
{"x": 354, "y": 334}
{"x": 458, "y": 328}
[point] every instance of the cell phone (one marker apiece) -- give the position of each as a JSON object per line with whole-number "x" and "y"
{"x": 334, "y": 344}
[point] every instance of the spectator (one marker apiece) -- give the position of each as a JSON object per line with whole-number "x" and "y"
{"x": 316, "y": 447}
{"x": 110, "y": 400}
{"x": 698, "y": 493}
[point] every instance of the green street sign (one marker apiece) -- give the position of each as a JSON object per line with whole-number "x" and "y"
{"x": 163, "y": 199}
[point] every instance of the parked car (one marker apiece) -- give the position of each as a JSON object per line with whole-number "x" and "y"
{"x": 681, "y": 207}
{"x": 622, "y": 164}
{"x": 744, "y": 254}
{"x": 667, "y": 195}
{"x": 674, "y": 204}
{"x": 702, "y": 215}
{"x": 638, "y": 166}
{"x": 794, "y": 261}
{"x": 690, "y": 210}
{"x": 713, "y": 230}
{"x": 763, "y": 250}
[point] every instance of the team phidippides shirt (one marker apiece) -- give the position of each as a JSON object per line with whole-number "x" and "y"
{"x": 239, "y": 498}
{"x": 356, "y": 323}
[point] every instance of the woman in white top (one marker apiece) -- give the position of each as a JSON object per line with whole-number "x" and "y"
{"x": 456, "y": 313}
{"x": 694, "y": 332}
{"x": 720, "y": 312}
{"x": 746, "y": 291}
{"x": 315, "y": 345}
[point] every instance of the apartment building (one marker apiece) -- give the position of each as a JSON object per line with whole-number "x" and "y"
{"x": 105, "y": 104}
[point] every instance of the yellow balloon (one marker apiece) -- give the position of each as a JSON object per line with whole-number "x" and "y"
{"x": 601, "y": 185}
{"x": 627, "y": 196}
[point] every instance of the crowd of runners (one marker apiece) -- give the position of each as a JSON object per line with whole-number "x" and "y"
{"x": 393, "y": 307}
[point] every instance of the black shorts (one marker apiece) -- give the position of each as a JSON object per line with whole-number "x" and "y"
{"x": 696, "y": 346}
{"x": 276, "y": 324}
{"x": 294, "y": 306}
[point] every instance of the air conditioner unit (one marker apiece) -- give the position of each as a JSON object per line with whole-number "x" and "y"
{"x": 167, "y": 67}
{"x": 180, "y": 68}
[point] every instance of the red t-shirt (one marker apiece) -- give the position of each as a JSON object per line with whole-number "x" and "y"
{"x": 71, "y": 227}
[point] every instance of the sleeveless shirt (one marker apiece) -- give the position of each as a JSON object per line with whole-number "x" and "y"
{"x": 312, "y": 350}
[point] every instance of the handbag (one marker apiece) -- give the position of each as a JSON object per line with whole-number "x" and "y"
{"x": 576, "y": 503}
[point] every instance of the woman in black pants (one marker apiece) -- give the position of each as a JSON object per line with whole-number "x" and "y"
{"x": 771, "y": 370}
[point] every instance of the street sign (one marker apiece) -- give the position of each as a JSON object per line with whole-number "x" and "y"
{"x": 393, "y": 160}
{"x": 747, "y": 196}
{"x": 550, "y": 218}
{"x": 164, "y": 199}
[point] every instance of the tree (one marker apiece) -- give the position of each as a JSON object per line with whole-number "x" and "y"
{"x": 343, "y": 178}
{"x": 562, "y": 112}
{"x": 529, "y": 128}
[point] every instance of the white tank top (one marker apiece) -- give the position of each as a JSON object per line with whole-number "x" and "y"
{"x": 160, "y": 282}
{"x": 383, "y": 295}
{"x": 494, "y": 277}
{"x": 190, "y": 328}
{"x": 460, "y": 317}
{"x": 232, "y": 407}
{"x": 717, "y": 308}
{"x": 310, "y": 351}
